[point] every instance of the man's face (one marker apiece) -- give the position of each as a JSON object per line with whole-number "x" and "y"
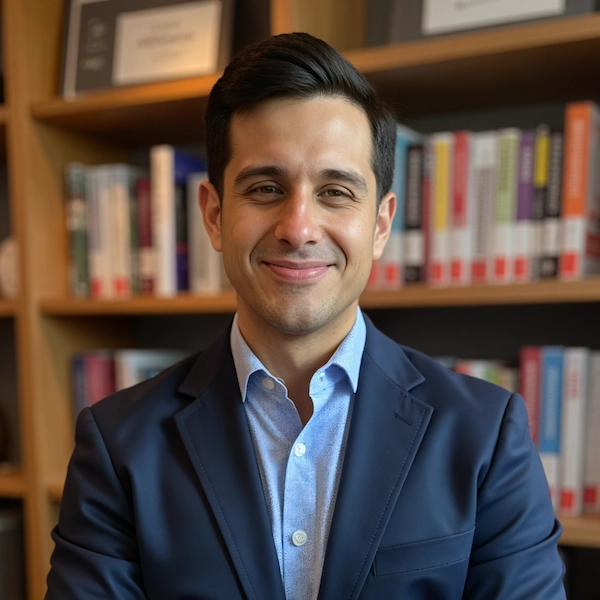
{"x": 298, "y": 225}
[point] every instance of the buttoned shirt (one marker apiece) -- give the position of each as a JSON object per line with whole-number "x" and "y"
{"x": 300, "y": 466}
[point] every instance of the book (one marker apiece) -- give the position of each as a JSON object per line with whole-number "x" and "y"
{"x": 550, "y": 443}
{"x": 573, "y": 429}
{"x": 540, "y": 190}
{"x": 75, "y": 193}
{"x": 551, "y": 223}
{"x": 441, "y": 194}
{"x": 530, "y": 387}
{"x": 391, "y": 263}
{"x": 146, "y": 254}
{"x": 591, "y": 481}
{"x": 98, "y": 231}
{"x": 580, "y": 247}
{"x": 205, "y": 261}
{"x": 505, "y": 205}
{"x": 485, "y": 161}
{"x": 523, "y": 219}
{"x": 135, "y": 365}
{"x": 463, "y": 200}
{"x": 414, "y": 232}
{"x": 93, "y": 377}
{"x": 169, "y": 171}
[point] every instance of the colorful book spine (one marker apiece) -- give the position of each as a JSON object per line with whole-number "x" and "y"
{"x": 574, "y": 409}
{"x": 414, "y": 235}
{"x": 146, "y": 254}
{"x": 591, "y": 482}
{"x": 462, "y": 210}
{"x": 99, "y": 375}
{"x": 504, "y": 214}
{"x": 550, "y": 446}
{"x": 75, "y": 177}
{"x": 485, "y": 160}
{"x": 551, "y": 224}
{"x": 530, "y": 387}
{"x": 182, "y": 264}
{"x": 540, "y": 190}
{"x": 580, "y": 248}
{"x": 440, "y": 224}
{"x": 205, "y": 261}
{"x": 523, "y": 221}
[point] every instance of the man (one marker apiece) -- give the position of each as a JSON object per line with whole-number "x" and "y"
{"x": 304, "y": 454}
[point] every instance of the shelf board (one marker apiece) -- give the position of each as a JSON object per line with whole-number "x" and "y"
{"x": 54, "y": 491}
{"x": 8, "y": 308}
{"x": 141, "y": 305}
{"x": 142, "y": 114}
{"x": 544, "y": 61}
{"x": 581, "y": 531}
{"x": 12, "y": 484}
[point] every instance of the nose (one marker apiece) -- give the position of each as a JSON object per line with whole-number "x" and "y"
{"x": 298, "y": 221}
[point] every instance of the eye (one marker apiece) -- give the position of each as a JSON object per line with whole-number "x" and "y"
{"x": 336, "y": 194}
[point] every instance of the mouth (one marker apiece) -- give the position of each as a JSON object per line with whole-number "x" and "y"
{"x": 301, "y": 271}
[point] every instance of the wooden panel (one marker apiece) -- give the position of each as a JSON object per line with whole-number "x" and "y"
{"x": 7, "y": 308}
{"x": 12, "y": 484}
{"x": 583, "y": 531}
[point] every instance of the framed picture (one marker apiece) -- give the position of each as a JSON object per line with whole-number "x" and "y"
{"x": 112, "y": 43}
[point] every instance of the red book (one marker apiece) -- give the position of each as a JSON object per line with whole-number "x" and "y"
{"x": 530, "y": 369}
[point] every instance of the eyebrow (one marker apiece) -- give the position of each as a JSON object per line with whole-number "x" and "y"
{"x": 351, "y": 177}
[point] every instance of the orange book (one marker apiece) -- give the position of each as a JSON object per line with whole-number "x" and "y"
{"x": 580, "y": 247}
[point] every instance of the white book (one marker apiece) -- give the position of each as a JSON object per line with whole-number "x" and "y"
{"x": 503, "y": 231}
{"x": 99, "y": 231}
{"x": 135, "y": 365}
{"x": 485, "y": 163}
{"x": 591, "y": 484}
{"x": 204, "y": 260}
{"x": 573, "y": 429}
{"x": 162, "y": 173}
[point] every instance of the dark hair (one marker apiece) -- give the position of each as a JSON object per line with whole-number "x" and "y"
{"x": 294, "y": 65}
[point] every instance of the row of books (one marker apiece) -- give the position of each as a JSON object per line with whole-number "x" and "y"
{"x": 503, "y": 206}
{"x": 99, "y": 373}
{"x": 137, "y": 232}
{"x": 561, "y": 389}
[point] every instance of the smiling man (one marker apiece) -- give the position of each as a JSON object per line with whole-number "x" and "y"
{"x": 304, "y": 455}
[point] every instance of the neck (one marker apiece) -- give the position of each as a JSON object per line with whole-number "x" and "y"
{"x": 295, "y": 357}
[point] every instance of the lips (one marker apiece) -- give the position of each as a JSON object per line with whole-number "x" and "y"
{"x": 304, "y": 271}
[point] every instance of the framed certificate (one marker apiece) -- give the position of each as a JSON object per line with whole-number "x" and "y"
{"x": 111, "y": 43}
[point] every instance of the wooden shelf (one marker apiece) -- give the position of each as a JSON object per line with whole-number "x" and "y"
{"x": 413, "y": 296}
{"x": 581, "y": 531}
{"x": 8, "y": 308}
{"x": 12, "y": 484}
{"x": 54, "y": 491}
{"x": 167, "y": 111}
{"x": 547, "y": 61}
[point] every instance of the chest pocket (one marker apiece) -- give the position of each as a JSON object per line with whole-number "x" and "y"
{"x": 428, "y": 554}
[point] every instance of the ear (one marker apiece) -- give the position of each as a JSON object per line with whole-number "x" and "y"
{"x": 210, "y": 205}
{"x": 383, "y": 224}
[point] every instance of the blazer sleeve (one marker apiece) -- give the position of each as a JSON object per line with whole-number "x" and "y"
{"x": 515, "y": 549}
{"x": 96, "y": 553}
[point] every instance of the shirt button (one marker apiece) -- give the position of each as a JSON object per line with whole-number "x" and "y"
{"x": 268, "y": 383}
{"x": 299, "y": 449}
{"x": 299, "y": 538}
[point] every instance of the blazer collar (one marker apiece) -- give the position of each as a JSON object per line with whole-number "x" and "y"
{"x": 387, "y": 427}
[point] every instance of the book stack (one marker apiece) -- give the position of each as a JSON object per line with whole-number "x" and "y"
{"x": 100, "y": 373}
{"x": 137, "y": 232}
{"x": 503, "y": 206}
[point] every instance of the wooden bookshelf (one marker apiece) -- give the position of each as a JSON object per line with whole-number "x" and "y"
{"x": 12, "y": 484}
{"x": 551, "y": 61}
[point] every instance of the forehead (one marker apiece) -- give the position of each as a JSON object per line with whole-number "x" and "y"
{"x": 312, "y": 130}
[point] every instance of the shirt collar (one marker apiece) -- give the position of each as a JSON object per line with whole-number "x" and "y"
{"x": 348, "y": 355}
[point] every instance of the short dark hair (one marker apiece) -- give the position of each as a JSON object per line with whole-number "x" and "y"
{"x": 294, "y": 65}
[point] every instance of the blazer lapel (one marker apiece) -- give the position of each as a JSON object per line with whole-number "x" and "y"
{"x": 386, "y": 430}
{"x": 216, "y": 435}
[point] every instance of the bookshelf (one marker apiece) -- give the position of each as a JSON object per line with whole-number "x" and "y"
{"x": 496, "y": 69}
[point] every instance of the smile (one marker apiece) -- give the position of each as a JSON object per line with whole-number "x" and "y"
{"x": 293, "y": 271}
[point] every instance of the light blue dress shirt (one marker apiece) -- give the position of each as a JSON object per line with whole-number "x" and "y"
{"x": 300, "y": 466}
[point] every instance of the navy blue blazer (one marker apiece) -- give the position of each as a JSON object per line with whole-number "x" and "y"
{"x": 442, "y": 494}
